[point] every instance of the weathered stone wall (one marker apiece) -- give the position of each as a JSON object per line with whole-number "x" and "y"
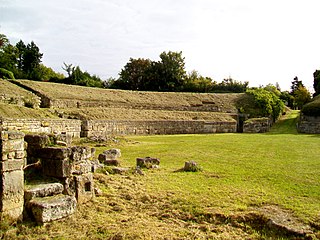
{"x": 70, "y": 103}
{"x": 56, "y": 126}
{"x": 12, "y": 160}
{"x": 257, "y": 125}
{"x": 309, "y": 124}
{"x": 92, "y": 128}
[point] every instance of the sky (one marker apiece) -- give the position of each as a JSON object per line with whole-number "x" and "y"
{"x": 259, "y": 41}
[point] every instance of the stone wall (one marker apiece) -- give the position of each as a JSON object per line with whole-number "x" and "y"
{"x": 257, "y": 125}
{"x": 11, "y": 175}
{"x": 92, "y": 128}
{"x": 309, "y": 124}
{"x": 56, "y": 126}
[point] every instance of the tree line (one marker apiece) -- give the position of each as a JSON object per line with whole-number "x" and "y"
{"x": 24, "y": 61}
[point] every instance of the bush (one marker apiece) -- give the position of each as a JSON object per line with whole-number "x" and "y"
{"x": 6, "y": 74}
{"x": 311, "y": 109}
{"x": 268, "y": 103}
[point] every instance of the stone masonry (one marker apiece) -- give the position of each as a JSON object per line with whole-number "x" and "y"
{"x": 11, "y": 176}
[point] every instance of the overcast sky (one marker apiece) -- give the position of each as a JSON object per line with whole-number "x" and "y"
{"x": 260, "y": 41}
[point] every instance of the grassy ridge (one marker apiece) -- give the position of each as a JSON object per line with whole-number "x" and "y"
{"x": 241, "y": 173}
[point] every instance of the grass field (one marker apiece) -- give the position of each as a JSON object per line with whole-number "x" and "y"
{"x": 245, "y": 178}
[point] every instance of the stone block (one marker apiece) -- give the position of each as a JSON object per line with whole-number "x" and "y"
{"x": 80, "y": 153}
{"x": 59, "y": 168}
{"x": 11, "y": 193}
{"x": 12, "y": 164}
{"x": 15, "y": 135}
{"x": 84, "y": 189}
{"x": 54, "y": 153}
{"x": 82, "y": 167}
{"x": 111, "y": 162}
{"x": 19, "y": 154}
{"x": 42, "y": 190}
{"x": 37, "y": 141}
{"x": 52, "y": 208}
{"x": 112, "y": 153}
{"x": 147, "y": 162}
{"x": 118, "y": 170}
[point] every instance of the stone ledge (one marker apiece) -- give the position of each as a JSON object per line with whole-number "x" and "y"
{"x": 43, "y": 190}
{"x": 48, "y": 209}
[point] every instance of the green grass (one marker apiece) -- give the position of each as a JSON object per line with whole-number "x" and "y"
{"x": 242, "y": 173}
{"x": 240, "y": 170}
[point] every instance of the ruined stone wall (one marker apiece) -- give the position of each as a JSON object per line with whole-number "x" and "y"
{"x": 92, "y": 128}
{"x": 12, "y": 160}
{"x": 309, "y": 124}
{"x": 57, "y": 126}
{"x": 257, "y": 125}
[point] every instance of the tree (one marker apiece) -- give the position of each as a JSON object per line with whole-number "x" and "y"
{"x": 230, "y": 85}
{"x": 171, "y": 70}
{"x": 268, "y": 103}
{"x": 316, "y": 82}
{"x": 196, "y": 83}
{"x": 301, "y": 97}
{"x": 134, "y": 75}
{"x": 295, "y": 84}
{"x": 77, "y": 77}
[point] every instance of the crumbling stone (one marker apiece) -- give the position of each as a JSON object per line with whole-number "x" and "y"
{"x": 191, "y": 166}
{"x": 118, "y": 170}
{"x": 12, "y": 161}
{"x": 43, "y": 190}
{"x": 113, "y": 153}
{"x": 148, "y": 162}
{"x": 48, "y": 209}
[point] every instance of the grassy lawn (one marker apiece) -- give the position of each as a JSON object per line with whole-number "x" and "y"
{"x": 242, "y": 174}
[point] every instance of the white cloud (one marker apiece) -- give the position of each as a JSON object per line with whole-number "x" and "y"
{"x": 258, "y": 41}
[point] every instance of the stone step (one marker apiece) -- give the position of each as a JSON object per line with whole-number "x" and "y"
{"x": 47, "y": 209}
{"x": 42, "y": 190}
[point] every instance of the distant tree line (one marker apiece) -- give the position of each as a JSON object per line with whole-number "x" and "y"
{"x": 169, "y": 75}
{"x": 23, "y": 61}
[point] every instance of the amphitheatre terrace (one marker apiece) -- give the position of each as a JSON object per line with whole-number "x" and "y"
{"x": 91, "y": 112}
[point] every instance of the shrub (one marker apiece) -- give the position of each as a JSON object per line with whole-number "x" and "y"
{"x": 311, "y": 109}
{"x": 6, "y": 74}
{"x": 268, "y": 103}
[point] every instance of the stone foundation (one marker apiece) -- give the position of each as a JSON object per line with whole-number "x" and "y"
{"x": 309, "y": 124}
{"x": 68, "y": 127}
{"x": 11, "y": 175}
{"x": 257, "y": 125}
{"x": 93, "y": 128}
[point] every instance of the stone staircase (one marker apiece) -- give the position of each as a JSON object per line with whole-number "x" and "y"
{"x": 46, "y": 203}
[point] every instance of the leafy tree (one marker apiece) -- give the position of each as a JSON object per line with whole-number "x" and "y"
{"x": 295, "y": 84}
{"x": 316, "y": 82}
{"x": 171, "y": 71}
{"x": 78, "y": 77}
{"x": 196, "y": 83}
{"x": 134, "y": 75}
{"x": 301, "y": 97}
{"x": 269, "y": 104}
{"x": 230, "y": 85}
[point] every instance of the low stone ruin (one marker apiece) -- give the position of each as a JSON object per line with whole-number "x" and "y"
{"x": 110, "y": 157}
{"x": 44, "y": 201}
{"x": 148, "y": 162}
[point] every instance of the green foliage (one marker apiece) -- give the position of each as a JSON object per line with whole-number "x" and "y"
{"x": 77, "y": 77}
{"x": 169, "y": 75}
{"x": 230, "y": 85}
{"x": 312, "y": 108}
{"x": 5, "y": 74}
{"x": 316, "y": 82}
{"x": 268, "y": 103}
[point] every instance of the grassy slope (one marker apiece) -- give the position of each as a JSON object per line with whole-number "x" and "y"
{"x": 132, "y": 98}
{"x": 242, "y": 172}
